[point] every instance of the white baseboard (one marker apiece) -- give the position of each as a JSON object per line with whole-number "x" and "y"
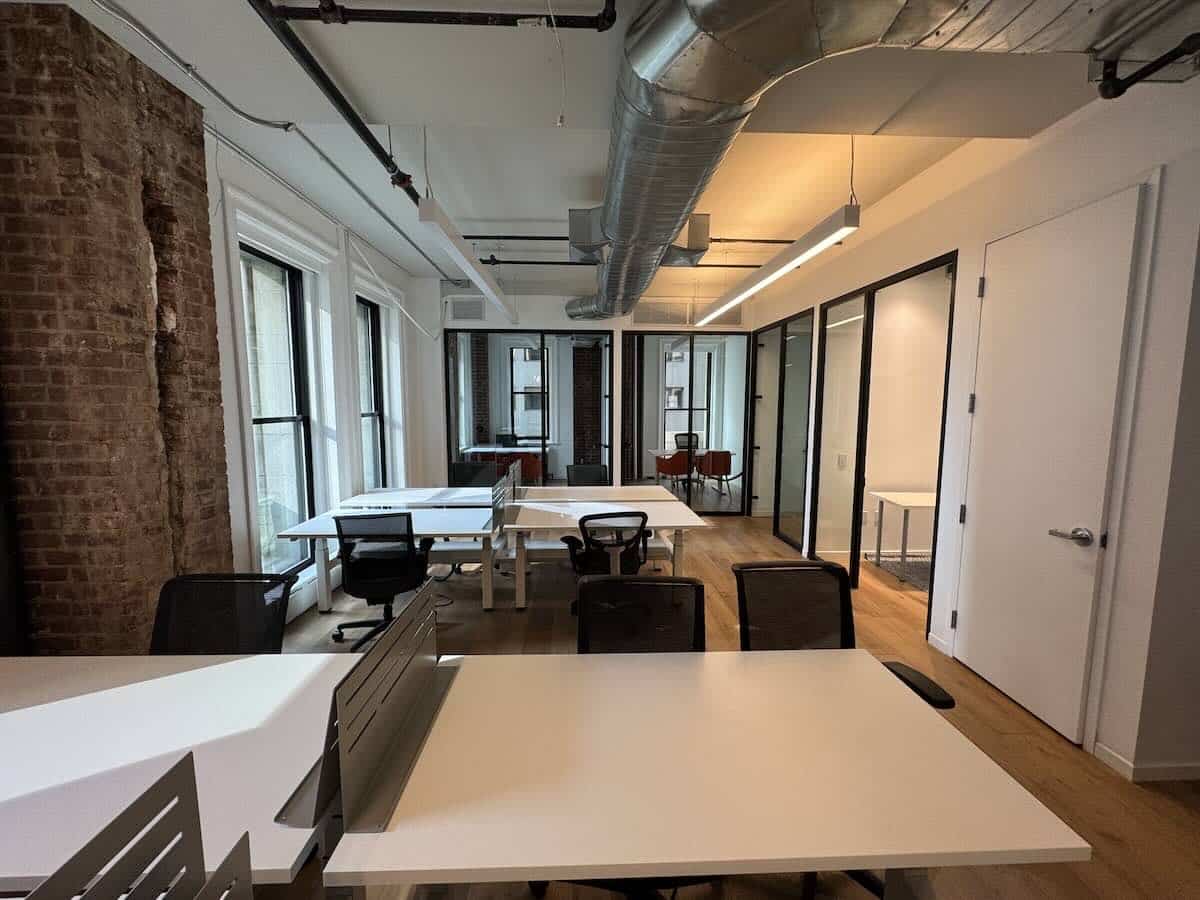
{"x": 1167, "y": 771}
{"x": 940, "y": 645}
{"x": 1114, "y": 760}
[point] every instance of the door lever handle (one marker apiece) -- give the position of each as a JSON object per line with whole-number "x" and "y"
{"x": 1081, "y": 536}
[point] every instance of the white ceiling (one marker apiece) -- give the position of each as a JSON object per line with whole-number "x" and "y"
{"x": 489, "y": 98}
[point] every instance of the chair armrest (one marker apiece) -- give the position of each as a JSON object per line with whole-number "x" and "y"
{"x": 426, "y": 544}
{"x": 923, "y": 686}
{"x": 572, "y": 542}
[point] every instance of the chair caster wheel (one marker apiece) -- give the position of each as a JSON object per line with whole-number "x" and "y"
{"x": 338, "y": 637}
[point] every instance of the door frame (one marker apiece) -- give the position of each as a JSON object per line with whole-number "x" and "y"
{"x": 691, "y": 334}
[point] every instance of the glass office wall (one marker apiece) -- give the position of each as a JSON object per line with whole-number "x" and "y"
{"x": 539, "y": 398}
{"x": 370, "y": 394}
{"x": 795, "y": 402}
{"x": 839, "y": 382}
{"x": 685, "y": 411}
{"x": 765, "y": 406}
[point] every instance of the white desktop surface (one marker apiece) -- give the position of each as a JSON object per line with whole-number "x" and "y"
{"x": 440, "y": 522}
{"x": 694, "y": 763}
{"x": 625, "y": 493}
{"x": 420, "y": 498}
{"x": 906, "y": 499}
{"x": 255, "y": 725}
{"x": 496, "y": 448}
{"x": 537, "y": 515}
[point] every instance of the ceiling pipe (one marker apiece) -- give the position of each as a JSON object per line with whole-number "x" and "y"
{"x": 332, "y": 13}
{"x": 693, "y": 71}
{"x": 564, "y": 237}
{"x": 292, "y": 43}
{"x": 493, "y": 261}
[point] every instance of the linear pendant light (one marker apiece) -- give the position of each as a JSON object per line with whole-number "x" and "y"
{"x": 843, "y": 222}
{"x": 434, "y": 218}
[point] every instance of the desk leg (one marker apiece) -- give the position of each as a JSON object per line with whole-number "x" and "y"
{"x": 879, "y": 534}
{"x": 907, "y": 884}
{"x": 904, "y": 545}
{"x": 520, "y": 573}
{"x": 324, "y": 591}
{"x": 677, "y": 552}
{"x": 485, "y": 557}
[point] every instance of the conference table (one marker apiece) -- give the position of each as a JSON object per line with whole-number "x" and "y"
{"x": 906, "y": 502}
{"x": 84, "y": 736}
{"x": 526, "y": 519}
{"x": 685, "y": 764}
{"x": 473, "y": 523}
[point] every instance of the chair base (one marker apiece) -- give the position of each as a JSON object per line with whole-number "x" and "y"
{"x": 376, "y": 626}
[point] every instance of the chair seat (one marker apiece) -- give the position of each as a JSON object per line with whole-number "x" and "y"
{"x": 388, "y": 551}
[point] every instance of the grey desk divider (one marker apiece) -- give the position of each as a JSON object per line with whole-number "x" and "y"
{"x": 233, "y": 878}
{"x": 152, "y": 849}
{"x": 382, "y": 711}
{"x": 514, "y": 476}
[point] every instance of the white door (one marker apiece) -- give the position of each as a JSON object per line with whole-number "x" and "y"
{"x": 1051, "y": 334}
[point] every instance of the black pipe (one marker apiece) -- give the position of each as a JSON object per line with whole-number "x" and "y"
{"x": 1112, "y": 87}
{"x": 563, "y": 237}
{"x": 493, "y": 261}
{"x": 334, "y": 13}
{"x": 308, "y": 62}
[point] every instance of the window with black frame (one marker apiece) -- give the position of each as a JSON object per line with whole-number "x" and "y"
{"x": 530, "y": 393}
{"x": 677, "y": 412}
{"x": 273, "y": 292}
{"x": 370, "y": 394}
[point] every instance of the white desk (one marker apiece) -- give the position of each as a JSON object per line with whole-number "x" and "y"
{"x": 421, "y": 498}
{"x": 742, "y": 763}
{"x": 906, "y": 501}
{"x": 255, "y": 726}
{"x": 470, "y": 523}
{"x": 496, "y": 448}
{"x": 529, "y": 517}
{"x": 625, "y": 493}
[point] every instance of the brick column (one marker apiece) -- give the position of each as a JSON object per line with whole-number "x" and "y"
{"x": 589, "y": 394}
{"x": 109, "y": 370}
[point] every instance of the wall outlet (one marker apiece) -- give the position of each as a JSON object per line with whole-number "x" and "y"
{"x": 843, "y": 461}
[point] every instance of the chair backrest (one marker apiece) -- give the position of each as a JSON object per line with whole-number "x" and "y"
{"x": 794, "y": 605}
{"x": 716, "y": 462}
{"x": 234, "y": 613}
{"x": 379, "y": 554}
{"x": 587, "y": 474}
{"x": 687, "y": 440}
{"x": 472, "y": 474}
{"x": 152, "y": 849}
{"x": 624, "y": 531}
{"x": 675, "y": 464}
{"x": 505, "y": 439}
{"x": 635, "y": 614}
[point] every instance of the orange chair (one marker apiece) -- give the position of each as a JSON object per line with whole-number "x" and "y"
{"x": 716, "y": 464}
{"x": 675, "y": 465}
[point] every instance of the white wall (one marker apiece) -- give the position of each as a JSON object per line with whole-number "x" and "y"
{"x": 980, "y": 193}
{"x": 248, "y": 205}
{"x": 908, "y": 368}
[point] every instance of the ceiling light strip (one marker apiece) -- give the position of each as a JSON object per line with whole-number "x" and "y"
{"x": 843, "y": 222}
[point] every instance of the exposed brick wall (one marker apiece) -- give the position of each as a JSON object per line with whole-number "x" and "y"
{"x": 109, "y": 372}
{"x": 589, "y": 394}
{"x": 481, "y": 396}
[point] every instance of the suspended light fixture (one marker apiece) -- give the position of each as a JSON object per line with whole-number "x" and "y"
{"x": 843, "y": 222}
{"x": 434, "y": 218}
{"x": 835, "y": 228}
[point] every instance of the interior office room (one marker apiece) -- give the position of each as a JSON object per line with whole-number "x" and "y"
{"x": 599, "y": 447}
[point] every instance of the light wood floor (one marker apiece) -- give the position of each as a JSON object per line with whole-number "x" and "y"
{"x": 1146, "y": 838}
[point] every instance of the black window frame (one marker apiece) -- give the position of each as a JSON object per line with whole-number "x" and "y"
{"x": 543, "y": 393}
{"x": 690, "y": 408}
{"x": 303, "y": 415}
{"x": 375, "y": 340}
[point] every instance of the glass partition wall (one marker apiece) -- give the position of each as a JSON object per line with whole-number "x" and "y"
{"x": 541, "y": 398}
{"x": 685, "y": 411}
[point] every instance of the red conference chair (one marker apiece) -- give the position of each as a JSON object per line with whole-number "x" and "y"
{"x": 675, "y": 465}
{"x": 716, "y": 464}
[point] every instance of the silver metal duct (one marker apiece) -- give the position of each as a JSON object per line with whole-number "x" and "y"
{"x": 693, "y": 71}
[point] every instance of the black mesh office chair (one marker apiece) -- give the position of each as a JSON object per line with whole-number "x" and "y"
{"x": 805, "y": 605}
{"x": 604, "y": 533}
{"x": 472, "y": 474}
{"x": 380, "y": 559}
{"x": 236, "y": 613}
{"x": 640, "y": 614}
{"x": 687, "y": 440}
{"x": 587, "y": 474}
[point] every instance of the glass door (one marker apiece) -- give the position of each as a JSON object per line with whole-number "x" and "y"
{"x": 794, "y": 403}
{"x": 765, "y": 409}
{"x": 718, "y": 408}
{"x": 837, "y": 479}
